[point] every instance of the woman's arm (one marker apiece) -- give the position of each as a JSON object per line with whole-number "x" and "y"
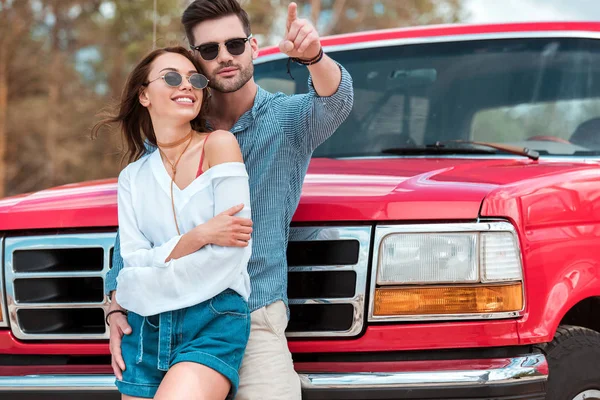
{"x": 204, "y": 273}
{"x": 136, "y": 249}
{"x": 201, "y": 275}
{"x": 221, "y": 148}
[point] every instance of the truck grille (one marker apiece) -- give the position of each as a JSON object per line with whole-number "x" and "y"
{"x": 54, "y": 283}
{"x": 327, "y": 280}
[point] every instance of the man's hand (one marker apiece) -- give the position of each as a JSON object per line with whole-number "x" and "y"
{"x": 227, "y": 230}
{"x": 301, "y": 38}
{"x": 118, "y": 327}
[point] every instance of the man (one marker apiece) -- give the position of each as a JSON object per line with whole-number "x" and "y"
{"x": 277, "y": 135}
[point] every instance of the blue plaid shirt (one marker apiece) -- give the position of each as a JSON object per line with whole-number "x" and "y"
{"x": 277, "y": 137}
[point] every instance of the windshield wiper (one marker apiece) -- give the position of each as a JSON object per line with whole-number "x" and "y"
{"x": 520, "y": 151}
{"x": 430, "y": 149}
{"x": 442, "y": 147}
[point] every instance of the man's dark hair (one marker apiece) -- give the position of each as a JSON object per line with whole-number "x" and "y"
{"x": 204, "y": 10}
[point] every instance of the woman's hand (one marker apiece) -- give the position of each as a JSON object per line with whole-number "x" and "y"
{"x": 223, "y": 230}
{"x": 226, "y": 230}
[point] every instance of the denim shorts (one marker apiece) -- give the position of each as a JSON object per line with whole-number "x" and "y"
{"x": 213, "y": 333}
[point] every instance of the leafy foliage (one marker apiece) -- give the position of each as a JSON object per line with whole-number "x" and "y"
{"x": 63, "y": 61}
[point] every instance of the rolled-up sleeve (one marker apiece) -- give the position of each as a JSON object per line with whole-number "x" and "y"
{"x": 110, "y": 280}
{"x": 310, "y": 119}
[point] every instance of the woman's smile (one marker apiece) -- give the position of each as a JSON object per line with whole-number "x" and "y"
{"x": 185, "y": 100}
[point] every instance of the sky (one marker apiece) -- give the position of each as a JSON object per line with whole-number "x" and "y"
{"x": 532, "y": 10}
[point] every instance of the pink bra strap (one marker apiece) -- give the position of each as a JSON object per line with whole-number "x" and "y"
{"x": 200, "y": 171}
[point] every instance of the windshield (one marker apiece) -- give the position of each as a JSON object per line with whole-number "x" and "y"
{"x": 543, "y": 94}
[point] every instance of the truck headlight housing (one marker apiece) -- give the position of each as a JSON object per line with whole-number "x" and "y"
{"x": 446, "y": 271}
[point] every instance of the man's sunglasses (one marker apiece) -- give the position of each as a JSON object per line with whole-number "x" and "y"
{"x": 174, "y": 79}
{"x": 210, "y": 51}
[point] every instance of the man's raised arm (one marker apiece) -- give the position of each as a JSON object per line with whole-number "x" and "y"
{"x": 302, "y": 43}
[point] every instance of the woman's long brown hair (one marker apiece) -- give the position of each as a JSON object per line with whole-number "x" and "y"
{"x": 134, "y": 119}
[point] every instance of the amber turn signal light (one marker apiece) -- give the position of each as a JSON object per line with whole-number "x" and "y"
{"x": 448, "y": 300}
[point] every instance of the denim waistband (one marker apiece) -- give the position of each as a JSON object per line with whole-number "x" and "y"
{"x": 165, "y": 332}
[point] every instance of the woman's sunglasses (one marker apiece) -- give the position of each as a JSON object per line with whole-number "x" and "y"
{"x": 174, "y": 79}
{"x": 210, "y": 51}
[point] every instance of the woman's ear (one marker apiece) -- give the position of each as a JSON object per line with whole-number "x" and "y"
{"x": 143, "y": 97}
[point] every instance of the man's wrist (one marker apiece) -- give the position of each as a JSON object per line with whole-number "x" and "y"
{"x": 310, "y": 61}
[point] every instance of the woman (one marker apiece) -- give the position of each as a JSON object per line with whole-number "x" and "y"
{"x": 186, "y": 300}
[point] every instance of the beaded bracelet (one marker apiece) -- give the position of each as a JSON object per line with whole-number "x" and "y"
{"x": 311, "y": 61}
{"x": 114, "y": 312}
{"x": 300, "y": 61}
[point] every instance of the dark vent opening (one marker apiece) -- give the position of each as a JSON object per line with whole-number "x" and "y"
{"x": 321, "y": 284}
{"x": 323, "y": 252}
{"x": 59, "y": 260}
{"x": 86, "y": 321}
{"x": 320, "y": 317}
{"x": 110, "y": 257}
{"x": 59, "y": 290}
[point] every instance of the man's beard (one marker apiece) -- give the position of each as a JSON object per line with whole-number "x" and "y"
{"x": 229, "y": 85}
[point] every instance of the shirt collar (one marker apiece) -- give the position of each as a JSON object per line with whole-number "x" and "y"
{"x": 248, "y": 117}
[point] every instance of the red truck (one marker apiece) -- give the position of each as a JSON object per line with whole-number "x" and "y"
{"x": 446, "y": 246}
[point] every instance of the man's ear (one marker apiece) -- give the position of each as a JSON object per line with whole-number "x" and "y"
{"x": 143, "y": 97}
{"x": 254, "y": 47}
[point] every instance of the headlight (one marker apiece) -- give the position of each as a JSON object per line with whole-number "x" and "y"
{"x": 447, "y": 271}
{"x": 428, "y": 258}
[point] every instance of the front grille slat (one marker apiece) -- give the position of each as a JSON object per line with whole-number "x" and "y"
{"x": 58, "y": 260}
{"x": 316, "y": 268}
{"x": 55, "y": 283}
{"x": 335, "y": 284}
{"x": 57, "y": 290}
{"x": 322, "y": 300}
{"x": 322, "y": 252}
{"x": 41, "y": 306}
{"x": 62, "y": 321}
{"x": 321, "y": 317}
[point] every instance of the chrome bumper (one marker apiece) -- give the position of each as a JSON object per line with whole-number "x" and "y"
{"x": 518, "y": 371}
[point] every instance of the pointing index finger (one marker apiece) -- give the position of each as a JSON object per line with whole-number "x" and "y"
{"x": 292, "y": 14}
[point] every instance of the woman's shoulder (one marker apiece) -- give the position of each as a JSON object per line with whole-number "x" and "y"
{"x": 221, "y": 138}
{"x": 221, "y": 147}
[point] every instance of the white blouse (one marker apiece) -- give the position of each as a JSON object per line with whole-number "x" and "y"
{"x": 148, "y": 285}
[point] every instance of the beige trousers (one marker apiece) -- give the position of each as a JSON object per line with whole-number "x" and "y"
{"x": 267, "y": 371}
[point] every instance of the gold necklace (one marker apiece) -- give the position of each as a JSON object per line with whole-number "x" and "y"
{"x": 174, "y": 171}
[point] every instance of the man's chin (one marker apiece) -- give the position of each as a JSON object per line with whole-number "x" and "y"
{"x": 228, "y": 85}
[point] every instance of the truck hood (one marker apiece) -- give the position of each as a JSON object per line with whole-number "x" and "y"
{"x": 411, "y": 189}
{"x": 389, "y": 189}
